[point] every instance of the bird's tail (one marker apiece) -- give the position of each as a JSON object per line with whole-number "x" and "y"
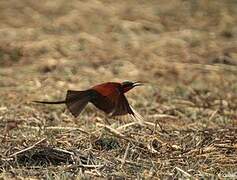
{"x": 75, "y": 101}
{"x": 48, "y": 102}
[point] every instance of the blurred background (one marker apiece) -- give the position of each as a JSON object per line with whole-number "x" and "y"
{"x": 178, "y": 48}
{"x": 185, "y": 51}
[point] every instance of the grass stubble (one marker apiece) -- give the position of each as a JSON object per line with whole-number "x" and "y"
{"x": 185, "y": 51}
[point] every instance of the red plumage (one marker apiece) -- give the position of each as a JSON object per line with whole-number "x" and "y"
{"x": 108, "y": 97}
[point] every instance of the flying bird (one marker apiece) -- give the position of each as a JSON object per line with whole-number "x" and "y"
{"x": 108, "y": 97}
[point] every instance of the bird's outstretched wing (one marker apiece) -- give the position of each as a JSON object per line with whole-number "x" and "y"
{"x": 121, "y": 106}
{"x": 113, "y": 104}
{"x": 76, "y": 101}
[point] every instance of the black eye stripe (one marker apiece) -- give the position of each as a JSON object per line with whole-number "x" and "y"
{"x": 127, "y": 83}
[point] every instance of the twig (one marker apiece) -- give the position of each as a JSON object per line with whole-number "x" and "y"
{"x": 162, "y": 116}
{"x": 149, "y": 123}
{"x": 117, "y": 133}
{"x": 126, "y": 125}
{"x": 54, "y": 128}
{"x": 90, "y": 166}
{"x": 122, "y": 136}
{"x": 94, "y": 174}
{"x": 212, "y": 115}
{"x": 183, "y": 172}
{"x": 225, "y": 146}
{"x": 112, "y": 130}
{"x": 27, "y": 149}
{"x": 3, "y": 108}
{"x": 131, "y": 162}
{"x": 125, "y": 156}
{"x": 64, "y": 151}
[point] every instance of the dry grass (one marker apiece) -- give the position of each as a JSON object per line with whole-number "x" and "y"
{"x": 186, "y": 51}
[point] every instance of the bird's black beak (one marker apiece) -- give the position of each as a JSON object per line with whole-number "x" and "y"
{"x": 137, "y": 83}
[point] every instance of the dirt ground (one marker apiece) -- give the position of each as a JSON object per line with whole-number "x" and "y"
{"x": 185, "y": 51}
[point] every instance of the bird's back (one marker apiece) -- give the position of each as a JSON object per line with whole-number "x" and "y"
{"x": 107, "y": 89}
{"x": 106, "y": 95}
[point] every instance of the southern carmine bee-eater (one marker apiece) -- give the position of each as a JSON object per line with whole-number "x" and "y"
{"x": 108, "y": 97}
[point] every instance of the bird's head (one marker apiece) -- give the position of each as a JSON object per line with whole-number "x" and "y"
{"x": 127, "y": 85}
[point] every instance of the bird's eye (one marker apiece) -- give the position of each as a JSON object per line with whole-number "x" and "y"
{"x": 127, "y": 83}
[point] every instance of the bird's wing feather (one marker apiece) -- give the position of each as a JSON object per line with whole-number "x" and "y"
{"x": 76, "y": 101}
{"x": 137, "y": 116}
{"x": 114, "y": 103}
{"x": 121, "y": 106}
{"x": 102, "y": 102}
